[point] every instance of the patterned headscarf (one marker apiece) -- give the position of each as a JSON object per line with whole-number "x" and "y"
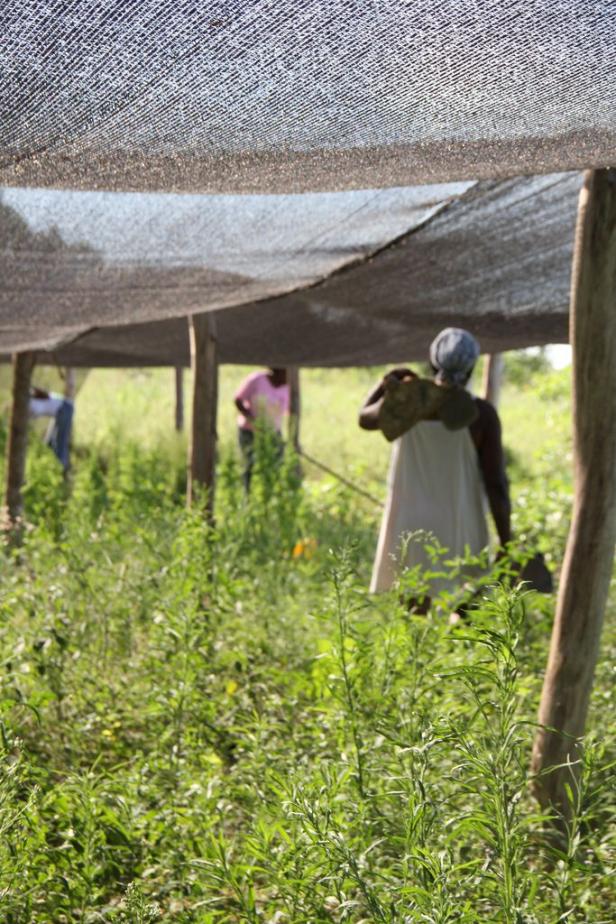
{"x": 453, "y": 353}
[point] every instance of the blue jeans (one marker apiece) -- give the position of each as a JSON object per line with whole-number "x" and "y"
{"x": 58, "y": 436}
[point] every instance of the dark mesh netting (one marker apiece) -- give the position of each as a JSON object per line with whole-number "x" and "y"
{"x": 496, "y": 259}
{"x": 75, "y": 260}
{"x": 261, "y": 160}
{"x": 302, "y": 95}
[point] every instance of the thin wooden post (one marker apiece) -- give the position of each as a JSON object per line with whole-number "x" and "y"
{"x": 23, "y": 364}
{"x": 202, "y": 449}
{"x": 493, "y": 377}
{"x": 589, "y": 556}
{"x": 179, "y": 398}
{"x": 70, "y": 384}
{"x": 295, "y": 406}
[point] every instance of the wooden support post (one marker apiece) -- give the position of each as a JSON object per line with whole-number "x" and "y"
{"x": 70, "y": 384}
{"x": 202, "y": 449}
{"x": 493, "y": 377}
{"x": 23, "y": 364}
{"x": 295, "y": 406}
{"x": 589, "y": 556}
{"x": 179, "y": 398}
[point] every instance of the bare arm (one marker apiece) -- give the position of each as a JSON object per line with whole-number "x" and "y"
{"x": 486, "y": 433}
{"x": 244, "y": 409}
{"x": 370, "y": 409}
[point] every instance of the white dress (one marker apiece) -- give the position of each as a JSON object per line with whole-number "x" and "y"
{"x": 435, "y": 485}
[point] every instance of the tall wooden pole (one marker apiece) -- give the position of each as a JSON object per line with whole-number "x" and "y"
{"x": 295, "y": 406}
{"x": 70, "y": 384}
{"x": 589, "y": 556}
{"x": 493, "y": 377}
{"x": 179, "y": 398}
{"x": 23, "y": 364}
{"x": 202, "y": 448}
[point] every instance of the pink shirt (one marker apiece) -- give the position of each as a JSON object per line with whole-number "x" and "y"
{"x": 263, "y": 400}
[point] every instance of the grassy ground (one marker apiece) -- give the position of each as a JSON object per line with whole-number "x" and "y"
{"x": 138, "y": 405}
{"x": 206, "y": 725}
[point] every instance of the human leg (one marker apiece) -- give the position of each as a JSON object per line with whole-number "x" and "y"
{"x": 246, "y": 439}
{"x": 59, "y": 435}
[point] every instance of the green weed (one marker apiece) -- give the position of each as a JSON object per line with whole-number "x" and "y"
{"x": 207, "y": 723}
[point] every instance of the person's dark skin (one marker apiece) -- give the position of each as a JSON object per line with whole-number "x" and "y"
{"x": 486, "y": 435}
{"x": 38, "y": 393}
{"x": 277, "y": 378}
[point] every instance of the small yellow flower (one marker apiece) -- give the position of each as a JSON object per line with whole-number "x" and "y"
{"x": 304, "y": 548}
{"x": 298, "y": 549}
{"x": 231, "y": 687}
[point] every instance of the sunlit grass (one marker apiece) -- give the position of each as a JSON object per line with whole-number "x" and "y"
{"x": 205, "y": 725}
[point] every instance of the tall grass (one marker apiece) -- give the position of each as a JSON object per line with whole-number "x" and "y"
{"x": 203, "y": 723}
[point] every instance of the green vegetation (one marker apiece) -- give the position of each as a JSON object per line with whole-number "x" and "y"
{"x": 219, "y": 724}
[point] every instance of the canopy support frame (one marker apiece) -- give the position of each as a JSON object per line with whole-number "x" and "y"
{"x": 588, "y": 562}
{"x": 179, "y": 398}
{"x": 23, "y": 365}
{"x": 295, "y": 406}
{"x": 493, "y": 377}
{"x": 202, "y": 448}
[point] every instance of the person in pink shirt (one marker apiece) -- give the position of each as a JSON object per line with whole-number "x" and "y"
{"x": 263, "y": 397}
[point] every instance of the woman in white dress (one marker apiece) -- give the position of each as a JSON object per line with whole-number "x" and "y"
{"x": 440, "y": 481}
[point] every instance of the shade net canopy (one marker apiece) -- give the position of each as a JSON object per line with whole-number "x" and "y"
{"x": 494, "y": 257}
{"x": 332, "y": 179}
{"x": 74, "y": 260}
{"x": 278, "y": 96}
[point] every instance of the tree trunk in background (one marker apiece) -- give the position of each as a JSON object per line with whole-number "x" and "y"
{"x": 295, "y": 406}
{"x": 179, "y": 399}
{"x": 202, "y": 449}
{"x": 588, "y": 563}
{"x": 493, "y": 377}
{"x": 23, "y": 364}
